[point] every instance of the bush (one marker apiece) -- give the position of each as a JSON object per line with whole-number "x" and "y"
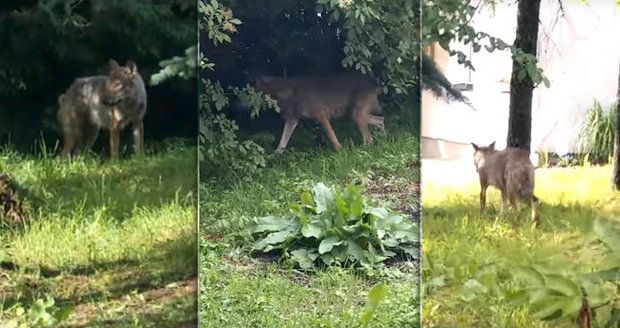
{"x": 333, "y": 226}
{"x": 596, "y": 137}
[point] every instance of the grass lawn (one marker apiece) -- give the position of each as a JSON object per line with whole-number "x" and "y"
{"x": 459, "y": 244}
{"x": 237, "y": 290}
{"x": 116, "y": 241}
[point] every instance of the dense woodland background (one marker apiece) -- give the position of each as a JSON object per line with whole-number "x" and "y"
{"x": 48, "y": 43}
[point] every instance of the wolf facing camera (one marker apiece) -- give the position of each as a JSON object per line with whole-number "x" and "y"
{"x": 110, "y": 102}
{"x": 322, "y": 99}
{"x": 509, "y": 170}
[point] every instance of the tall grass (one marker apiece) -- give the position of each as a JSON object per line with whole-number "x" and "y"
{"x": 596, "y": 136}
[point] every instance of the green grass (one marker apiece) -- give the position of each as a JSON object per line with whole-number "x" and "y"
{"x": 115, "y": 240}
{"x": 459, "y": 243}
{"x": 237, "y": 290}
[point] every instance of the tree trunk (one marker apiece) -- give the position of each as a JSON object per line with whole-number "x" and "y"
{"x": 616, "y": 178}
{"x": 520, "y": 120}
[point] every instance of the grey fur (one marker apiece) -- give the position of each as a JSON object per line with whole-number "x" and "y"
{"x": 110, "y": 101}
{"x": 509, "y": 170}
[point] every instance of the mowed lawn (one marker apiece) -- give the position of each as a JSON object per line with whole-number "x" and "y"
{"x": 237, "y": 290}
{"x": 459, "y": 244}
{"x": 116, "y": 241}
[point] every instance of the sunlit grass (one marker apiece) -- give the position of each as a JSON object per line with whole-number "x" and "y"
{"x": 458, "y": 242}
{"x": 98, "y": 230}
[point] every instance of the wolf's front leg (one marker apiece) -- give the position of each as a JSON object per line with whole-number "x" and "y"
{"x": 289, "y": 127}
{"x": 138, "y": 137}
{"x": 114, "y": 135}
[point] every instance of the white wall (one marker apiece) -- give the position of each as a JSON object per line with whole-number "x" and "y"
{"x": 580, "y": 54}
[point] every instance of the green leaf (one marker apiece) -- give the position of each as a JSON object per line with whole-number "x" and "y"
{"x": 378, "y": 212}
{"x": 549, "y": 307}
{"x": 273, "y": 238}
{"x": 304, "y": 257}
{"x": 312, "y": 229}
{"x": 609, "y": 233}
{"x": 562, "y": 285}
{"x": 306, "y": 199}
{"x": 327, "y": 258}
{"x": 612, "y": 274}
{"x": 323, "y": 197}
{"x": 376, "y": 295}
{"x": 531, "y": 276}
{"x": 595, "y": 293}
{"x": 572, "y": 306}
{"x": 355, "y": 249}
{"x": 517, "y": 298}
{"x": 355, "y": 200}
{"x": 471, "y": 289}
{"x": 328, "y": 244}
{"x": 271, "y": 223}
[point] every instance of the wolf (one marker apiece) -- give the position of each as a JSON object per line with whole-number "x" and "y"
{"x": 111, "y": 102}
{"x": 322, "y": 99}
{"x": 511, "y": 171}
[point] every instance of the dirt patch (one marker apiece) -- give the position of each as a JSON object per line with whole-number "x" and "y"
{"x": 404, "y": 193}
{"x": 156, "y": 303}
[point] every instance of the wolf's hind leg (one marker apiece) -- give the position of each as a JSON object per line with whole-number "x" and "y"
{"x": 535, "y": 215}
{"x": 504, "y": 203}
{"x": 377, "y": 121}
{"x": 362, "y": 119}
{"x": 90, "y": 132}
{"x": 483, "y": 198}
{"x": 71, "y": 132}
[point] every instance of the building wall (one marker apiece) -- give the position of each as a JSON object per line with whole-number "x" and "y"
{"x": 580, "y": 54}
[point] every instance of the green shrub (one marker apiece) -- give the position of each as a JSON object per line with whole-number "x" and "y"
{"x": 596, "y": 137}
{"x": 41, "y": 313}
{"x": 336, "y": 226}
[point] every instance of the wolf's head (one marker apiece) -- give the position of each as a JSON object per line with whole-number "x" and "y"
{"x": 119, "y": 78}
{"x": 481, "y": 152}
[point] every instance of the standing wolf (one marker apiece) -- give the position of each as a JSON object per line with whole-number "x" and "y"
{"x": 511, "y": 171}
{"x": 110, "y": 102}
{"x": 322, "y": 99}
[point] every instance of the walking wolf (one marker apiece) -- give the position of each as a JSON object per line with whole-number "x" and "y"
{"x": 322, "y": 99}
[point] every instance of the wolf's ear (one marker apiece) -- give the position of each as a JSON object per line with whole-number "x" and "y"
{"x": 113, "y": 64}
{"x": 475, "y": 146}
{"x": 492, "y": 145}
{"x": 132, "y": 67}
